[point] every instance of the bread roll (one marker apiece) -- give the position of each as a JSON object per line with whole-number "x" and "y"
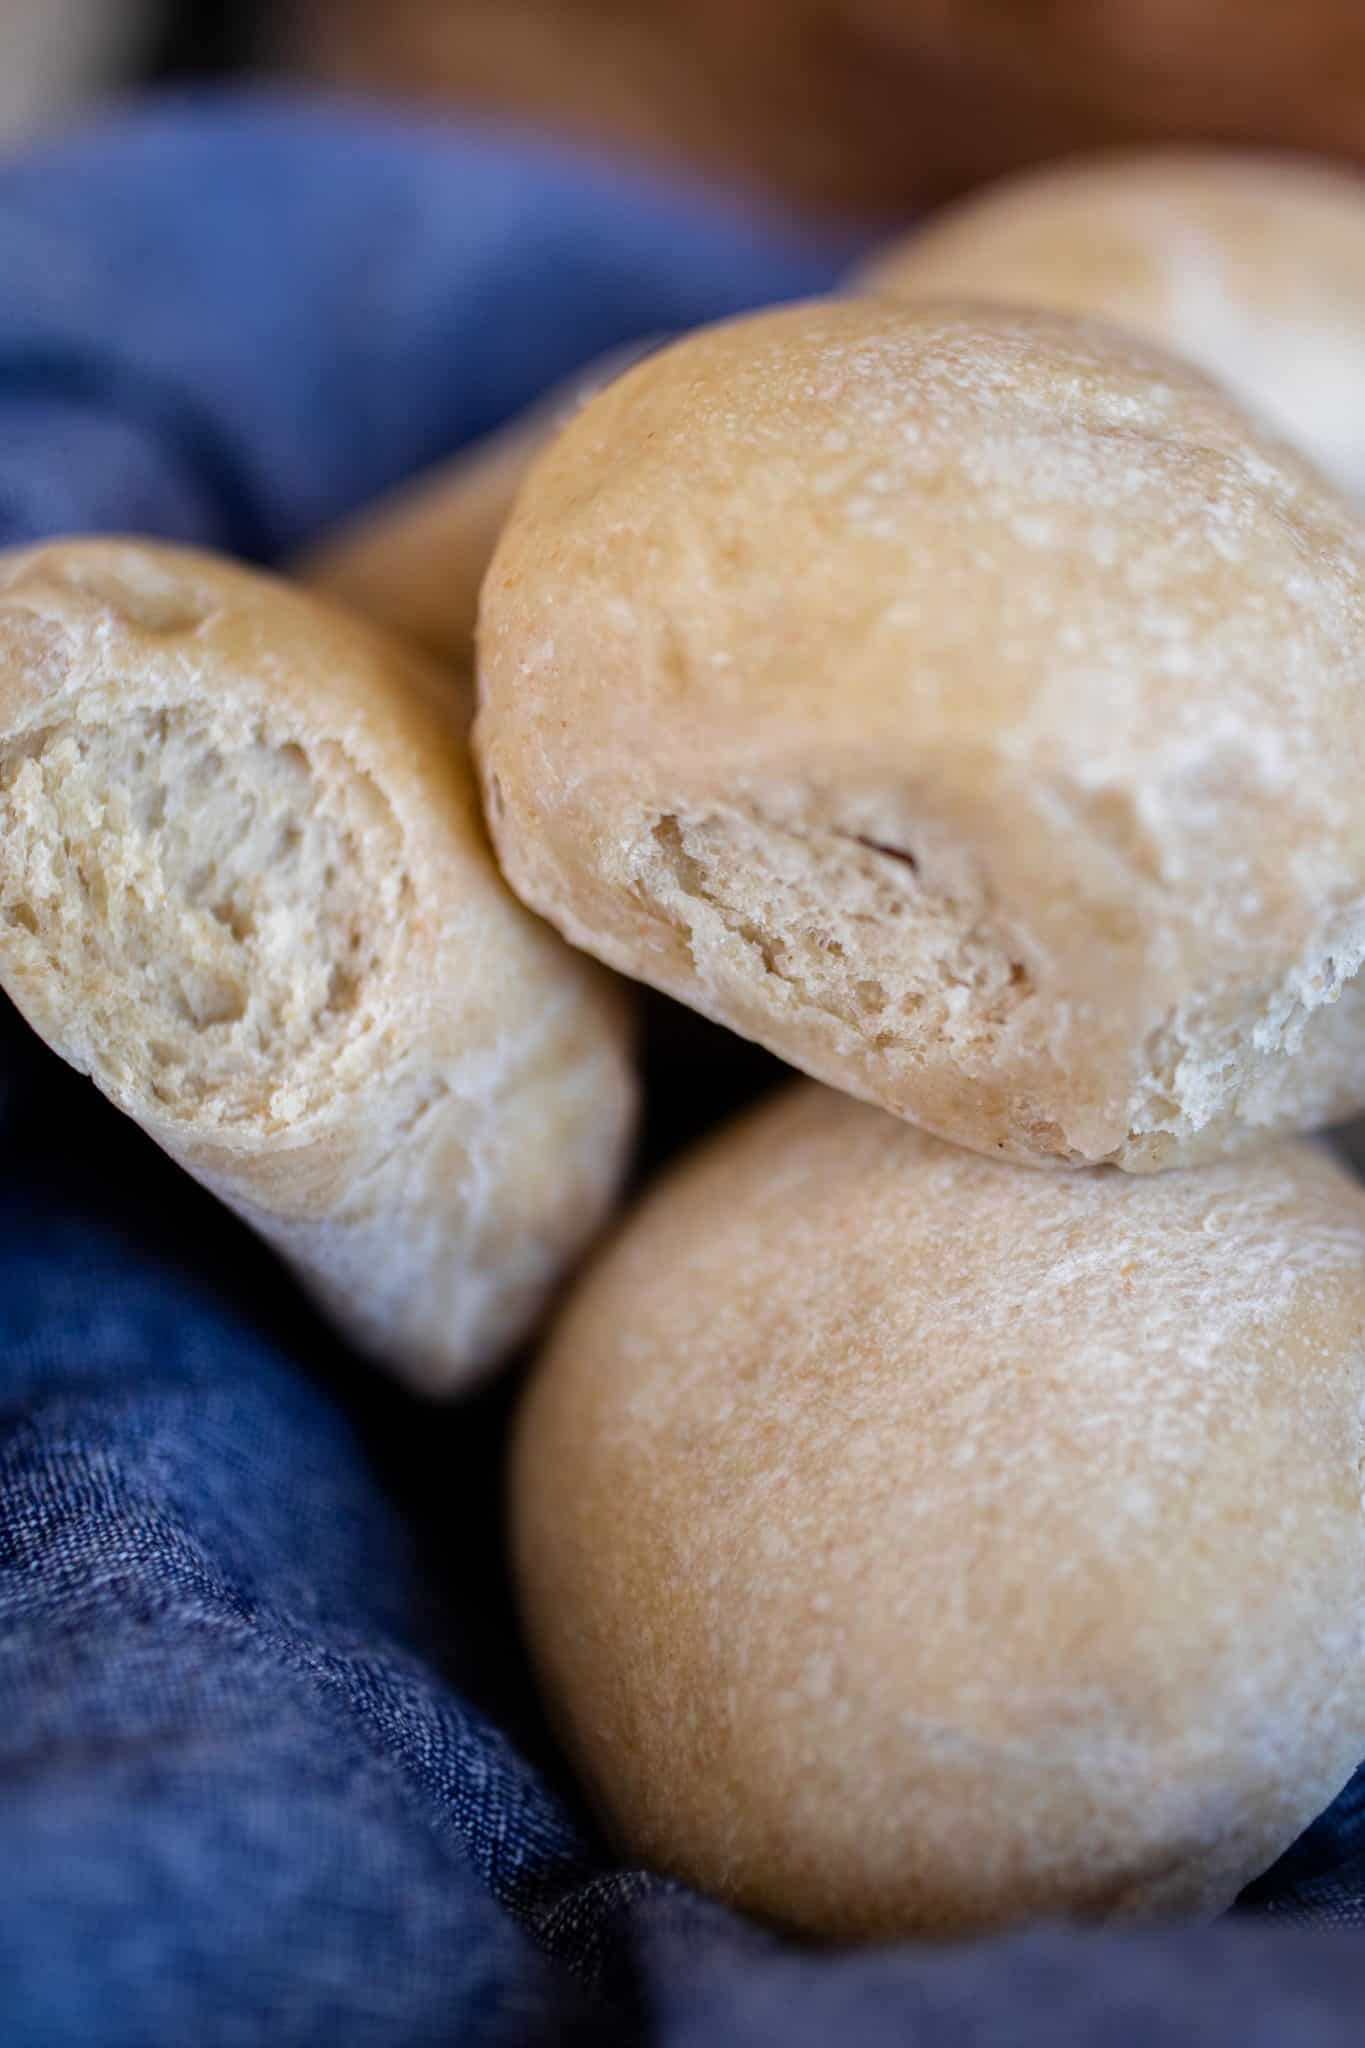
{"x": 1252, "y": 266}
{"x": 914, "y": 1544}
{"x": 965, "y": 704}
{"x": 244, "y": 884}
{"x": 415, "y": 560}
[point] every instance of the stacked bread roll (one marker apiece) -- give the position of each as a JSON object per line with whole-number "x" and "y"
{"x": 244, "y": 884}
{"x": 964, "y": 699}
{"x": 1252, "y": 266}
{"x": 942, "y": 1503}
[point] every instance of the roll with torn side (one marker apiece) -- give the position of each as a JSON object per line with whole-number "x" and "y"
{"x": 967, "y": 704}
{"x": 914, "y": 1544}
{"x": 244, "y": 884}
{"x": 1251, "y": 265}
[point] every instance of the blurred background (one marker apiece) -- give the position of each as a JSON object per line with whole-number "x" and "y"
{"x": 854, "y": 107}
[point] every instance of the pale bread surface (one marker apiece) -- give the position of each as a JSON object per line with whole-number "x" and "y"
{"x": 244, "y": 884}
{"x": 964, "y": 703}
{"x": 1252, "y": 266}
{"x": 910, "y": 1543}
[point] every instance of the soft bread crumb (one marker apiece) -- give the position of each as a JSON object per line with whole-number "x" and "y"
{"x": 903, "y": 947}
{"x": 869, "y": 933}
{"x": 218, "y": 912}
{"x": 1257, "y": 1059}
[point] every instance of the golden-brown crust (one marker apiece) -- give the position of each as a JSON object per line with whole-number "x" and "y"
{"x": 962, "y": 702}
{"x": 909, "y": 1543}
{"x": 244, "y": 883}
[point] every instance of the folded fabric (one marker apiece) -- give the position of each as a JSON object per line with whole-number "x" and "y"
{"x": 290, "y": 307}
{"x": 271, "y": 1767}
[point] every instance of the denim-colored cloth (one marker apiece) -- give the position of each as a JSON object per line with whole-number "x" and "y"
{"x": 271, "y": 1769}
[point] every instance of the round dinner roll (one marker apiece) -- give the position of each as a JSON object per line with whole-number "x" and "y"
{"x": 967, "y": 704}
{"x": 244, "y": 884}
{"x": 914, "y": 1544}
{"x": 1252, "y": 266}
